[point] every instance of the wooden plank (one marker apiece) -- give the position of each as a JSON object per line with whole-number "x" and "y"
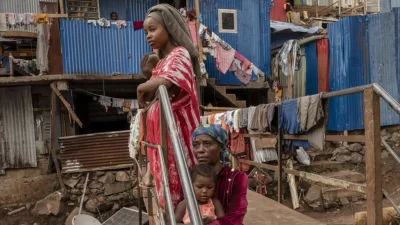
{"x": 264, "y": 211}
{"x": 53, "y": 139}
{"x": 57, "y": 15}
{"x": 66, "y": 104}
{"x": 373, "y": 157}
{"x": 7, "y": 81}
{"x": 18, "y": 34}
{"x": 313, "y": 177}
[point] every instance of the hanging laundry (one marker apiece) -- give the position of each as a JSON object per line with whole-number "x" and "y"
{"x": 29, "y": 18}
{"x": 117, "y": 102}
{"x": 211, "y": 119}
{"x": 120, "y": 23}
{"x": 229, "y": 118}
{"x": 250, "y": 118}
{"x": 103, "y": 22}
{"x": 309, "y": 111}
{"x": 3, "y": 22}
{"x": 142, "y": 131}
{"x": 105, "y": 101}
{"x": 243, "y": 118}
{"x": 260, "y": 75}
{"x": 289, "y": 54}
{"x": 137, "y": 25}
{"x": 20, "y": 19}
{"x": 224, "y": 45}
{"x": 223, "y": 58}
{"x": 134, "y": 104}
{"x": 310, "y": 115}
{"x": 236, "y": 68}
{"x": 41, "y": 19}
{"x": 134, "y": 135}
{"x": 236, "y": 120}
{"x": 193, "y": 33}
{"x": 218, "y": 118}
{"x": 94, "y": 22}
{"x": 11, "y": 19}
{"x": 204, "y": 120}
{"x": 260, "y": 120}
{"x": 237, "y": 142}
{"x": 288, "y": 117}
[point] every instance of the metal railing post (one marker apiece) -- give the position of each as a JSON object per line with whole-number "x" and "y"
{"x": 183, "y": 169}
{"x": 373, "y": 157}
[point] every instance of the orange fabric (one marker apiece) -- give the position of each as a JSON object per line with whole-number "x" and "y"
{"x": 211, "y": 119}
{"x": 206, "y": 210}
{"x": 41, "y": 18}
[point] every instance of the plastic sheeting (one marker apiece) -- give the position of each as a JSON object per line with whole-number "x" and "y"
{"x": 363, "y": 50}
{"x": 277, "y": 26}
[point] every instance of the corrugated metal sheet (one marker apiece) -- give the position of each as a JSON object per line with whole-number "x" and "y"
{"x": 298, "y": 81}
{"x": 252, "y": 39}
{"x": 373, "y": 6}
{"x": 278, "y": 12}
{"x": 22, "y": 6}
{"x": 95, "y": 152}
{"x": 17, "y": 133}
{"x": 323, "y": 65}
{"x": 89, "y": 49}
{"x": 363, "y": 50}
{"x": 312, "y": 68}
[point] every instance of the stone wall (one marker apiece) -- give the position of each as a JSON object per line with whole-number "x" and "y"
{"x": 105, "y": 189}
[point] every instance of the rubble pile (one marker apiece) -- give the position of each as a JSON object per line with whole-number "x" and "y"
{"x": 105, "y": 190}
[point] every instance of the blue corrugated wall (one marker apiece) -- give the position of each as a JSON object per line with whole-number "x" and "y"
{"x": 252, "y": 39}
{"x": 363, "y": 50}
{"x": 89, "y": 49}
{"x": 312, "y": 68}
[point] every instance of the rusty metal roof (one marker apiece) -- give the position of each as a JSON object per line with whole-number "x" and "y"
{"x": 95, "y": 152}
{"x": 17, "y": 133}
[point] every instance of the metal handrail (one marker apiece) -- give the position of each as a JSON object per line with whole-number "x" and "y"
{"x": 191, "y": 202}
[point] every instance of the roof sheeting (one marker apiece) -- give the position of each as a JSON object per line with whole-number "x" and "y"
{"x": 363, "y": 50}
{"x": 277, "y": 26}
{"x": 17, "y": 133}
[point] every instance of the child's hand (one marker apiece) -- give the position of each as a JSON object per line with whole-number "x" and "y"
{"x": 207, "y": 220}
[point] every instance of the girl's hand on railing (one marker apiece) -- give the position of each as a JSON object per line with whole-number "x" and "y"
{"x": 207, "y": 220}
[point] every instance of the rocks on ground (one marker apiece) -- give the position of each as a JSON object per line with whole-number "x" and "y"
{"x": 50, "y": 205}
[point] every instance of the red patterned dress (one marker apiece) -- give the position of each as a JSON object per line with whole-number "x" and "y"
{"x": 176, "y": 68}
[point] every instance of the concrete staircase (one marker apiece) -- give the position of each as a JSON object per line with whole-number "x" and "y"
{"x": 221, "y": 91}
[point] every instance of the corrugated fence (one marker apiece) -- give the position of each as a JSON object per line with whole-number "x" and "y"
{"x": 252, "y": 39}
{"x": 363, "y": 50}
{"x": 90, "y": 49}
{"x": 17, "y": 133}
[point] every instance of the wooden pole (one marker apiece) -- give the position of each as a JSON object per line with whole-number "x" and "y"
{"x": 61, "y": 4}
{"x": 200, "y": 47}
{"x": 340, "y": 7}
{"x": 66, "y": 104}
{"x": 373, "y": 157}
{"x": 280, "y": 188}
{"x": 53, "y": 139}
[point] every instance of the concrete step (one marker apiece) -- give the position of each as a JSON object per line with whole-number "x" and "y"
{"x": 221, "y": 89}
{"x": 231, "y": 97}
{"x": 241, "y": 104}
{"x": 325, "y": 166}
